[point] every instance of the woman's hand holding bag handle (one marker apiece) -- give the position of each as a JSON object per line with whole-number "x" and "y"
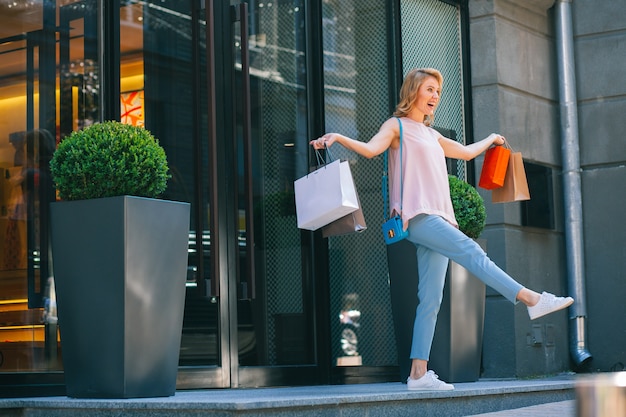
{"x": 494, "y": 166}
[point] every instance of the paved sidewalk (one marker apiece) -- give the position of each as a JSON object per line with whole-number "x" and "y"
{"x": 558, "y": 409}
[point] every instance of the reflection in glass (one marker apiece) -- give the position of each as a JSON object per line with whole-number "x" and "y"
{"x": 28, "y": 328}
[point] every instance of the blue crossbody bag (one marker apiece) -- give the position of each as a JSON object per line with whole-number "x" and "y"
{"x": 392, "y": 226}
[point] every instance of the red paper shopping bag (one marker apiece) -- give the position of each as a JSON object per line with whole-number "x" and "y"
{"x": 494, "y": 167}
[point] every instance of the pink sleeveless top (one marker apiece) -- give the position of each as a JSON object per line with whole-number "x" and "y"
{"x": 424, "y": 176}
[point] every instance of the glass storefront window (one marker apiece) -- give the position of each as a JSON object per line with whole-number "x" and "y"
{"x": 29, "y": 338}
{"x": 49, "y": 86}
{"x": 131, "y": 64}
{"x": 252, "y": 308}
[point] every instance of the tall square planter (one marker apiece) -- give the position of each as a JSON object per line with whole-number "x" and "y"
{"x": 457, "y": 346}
{"x": 119, "y": 268}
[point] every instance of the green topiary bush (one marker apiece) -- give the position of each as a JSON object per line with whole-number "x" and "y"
{"x": 109, "y": 159}
{"x": 469, "y": 207}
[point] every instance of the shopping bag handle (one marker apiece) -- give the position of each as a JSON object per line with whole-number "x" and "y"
{"x": 323, "y": 160}
{"x": 506, "y": 144}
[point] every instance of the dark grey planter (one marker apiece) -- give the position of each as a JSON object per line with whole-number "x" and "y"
{"x": 457, "y": 347}
{"x": 120, "y": 269}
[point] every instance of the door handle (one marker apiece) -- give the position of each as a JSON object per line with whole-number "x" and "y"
{"x": 214, "y": 289}
{"x": 242, "y": 16}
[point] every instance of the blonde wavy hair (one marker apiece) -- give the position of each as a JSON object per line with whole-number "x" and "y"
{"x": 412, "y": 82}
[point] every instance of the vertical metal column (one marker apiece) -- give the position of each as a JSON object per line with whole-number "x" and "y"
{"x": 571, "y": 181}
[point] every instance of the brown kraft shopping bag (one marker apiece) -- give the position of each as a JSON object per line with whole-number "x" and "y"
{"x": 515, "y": 186}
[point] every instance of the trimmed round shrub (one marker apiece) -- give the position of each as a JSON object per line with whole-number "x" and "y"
{"x": 469, "y": 207}
{"x": 109, "y": 159}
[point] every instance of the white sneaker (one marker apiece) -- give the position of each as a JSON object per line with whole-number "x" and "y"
{"x": 429, "y": 382}
{"x": 548, "y": 303}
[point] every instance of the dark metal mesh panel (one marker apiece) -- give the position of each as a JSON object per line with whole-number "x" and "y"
{"x": 356, "y": 91}
{"x": 431, "y": 38}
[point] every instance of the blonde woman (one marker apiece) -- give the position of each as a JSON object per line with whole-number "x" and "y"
{"x": 428, "y": 215}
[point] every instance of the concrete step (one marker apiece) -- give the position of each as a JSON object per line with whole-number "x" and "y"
{"x": 558, "y": 409}
{"x": 387, "y": 399}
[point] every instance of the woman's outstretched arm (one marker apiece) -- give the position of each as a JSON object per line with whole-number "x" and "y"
{"x": 456, "y": 150}
{"x": 387, "y": 136}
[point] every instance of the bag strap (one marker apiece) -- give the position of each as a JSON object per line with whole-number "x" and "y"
{"x": 325, "y": 159}
{"x": 385, "y": 184}
{"x": 506, "y": 145}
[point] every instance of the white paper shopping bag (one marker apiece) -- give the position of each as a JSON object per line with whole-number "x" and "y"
{"x": 325, "y": 195}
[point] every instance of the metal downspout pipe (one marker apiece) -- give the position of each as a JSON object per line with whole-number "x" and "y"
{"x": 571, "y": 182}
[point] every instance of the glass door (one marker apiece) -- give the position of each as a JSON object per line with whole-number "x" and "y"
{"x": 28, "y": 134}
{"x": 261, "y": 140}
{"x": 223, "y": 87}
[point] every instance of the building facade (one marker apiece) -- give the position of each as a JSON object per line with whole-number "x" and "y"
{"x": 234, "y": 92}
{"x": 517, "y": 88}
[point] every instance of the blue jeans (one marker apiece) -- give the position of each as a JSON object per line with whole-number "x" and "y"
{"x": 437, "y": 241}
